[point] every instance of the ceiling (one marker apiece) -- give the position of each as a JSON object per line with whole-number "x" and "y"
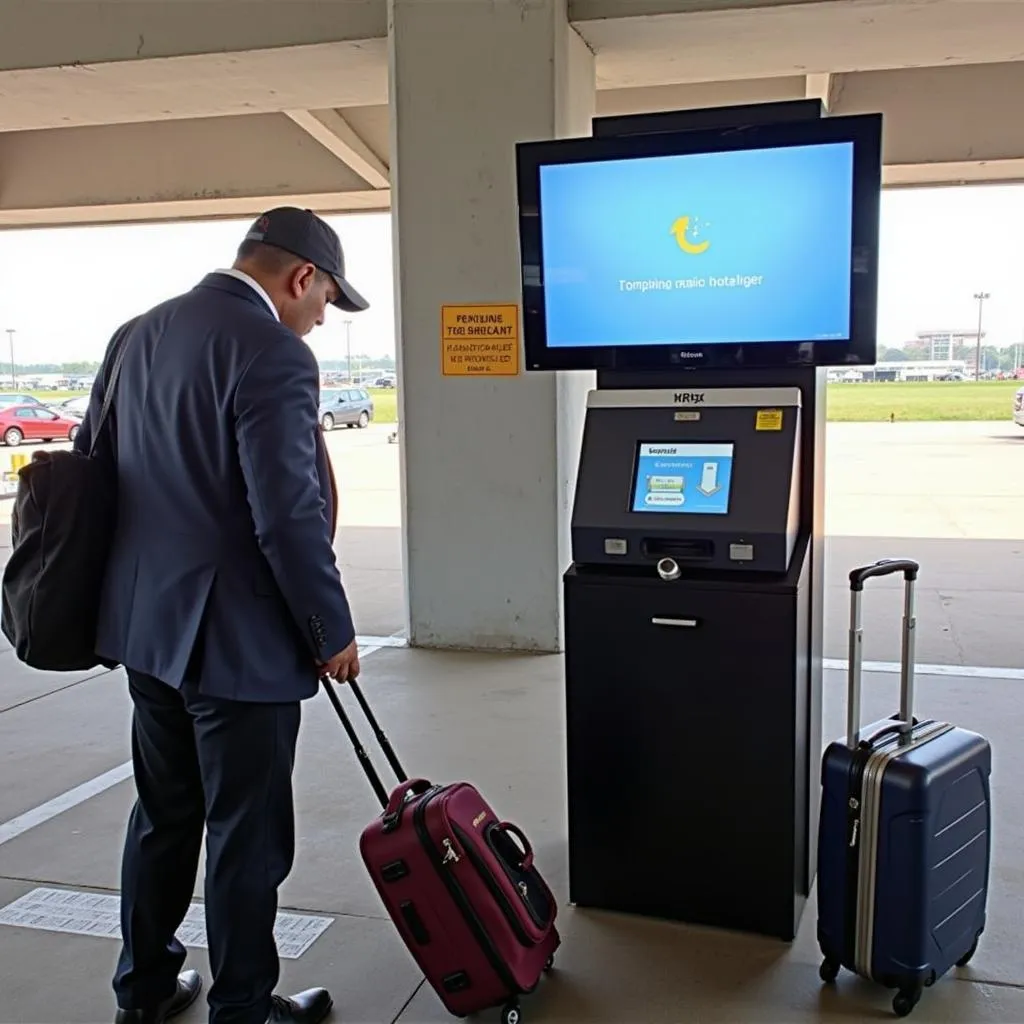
{"x": 153, "y": 134}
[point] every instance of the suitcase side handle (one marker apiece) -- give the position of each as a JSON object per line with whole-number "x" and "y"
{"x": 889, "y": 730}
{"x": 884, "y": 567}
{"x": 517, "y": 832}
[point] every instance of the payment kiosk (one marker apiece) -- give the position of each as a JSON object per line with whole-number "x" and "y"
{"x": 693, "y": 604}
{"x": 693, "y": 687}
{"x": 706, "y": 478}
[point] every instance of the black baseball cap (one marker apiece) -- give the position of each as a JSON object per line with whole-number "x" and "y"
{"x": 304, "y": 234}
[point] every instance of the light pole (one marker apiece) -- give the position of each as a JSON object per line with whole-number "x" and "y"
{"x": 981, "y": 297}
{"x": 348, "y": 347}
{"x": 10, "y": 337}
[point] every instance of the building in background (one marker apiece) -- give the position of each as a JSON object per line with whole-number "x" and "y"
{"x": 943, "y": 344}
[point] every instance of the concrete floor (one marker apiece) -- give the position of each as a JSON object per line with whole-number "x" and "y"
{"x": 499, "y": 721}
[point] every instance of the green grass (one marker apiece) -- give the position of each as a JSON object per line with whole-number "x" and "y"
{"x": 922, "y": 400}
{"x": 849, "y": 403}
{"x": 54, "y": 396}
{"x": 385, "y": 404}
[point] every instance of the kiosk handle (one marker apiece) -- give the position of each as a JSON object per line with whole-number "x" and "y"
{"x": 884, "y": 567}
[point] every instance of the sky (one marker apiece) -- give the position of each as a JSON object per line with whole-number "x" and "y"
{"x": 64, "y": 290}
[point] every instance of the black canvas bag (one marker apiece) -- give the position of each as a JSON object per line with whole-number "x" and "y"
{"x": 62, "y": 527}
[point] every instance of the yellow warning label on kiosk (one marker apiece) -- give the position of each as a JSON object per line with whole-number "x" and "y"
{"x": 768, "y": 419}
{"x": 480, "y": 341}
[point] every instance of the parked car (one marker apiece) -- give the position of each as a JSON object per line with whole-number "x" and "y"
{"x": 1018, "y": 407}
{"x": 351, "y": 407}
{"x": 35, "y": 423}
{"x": 9, "y": 398}
{"x": 76, "y": 407}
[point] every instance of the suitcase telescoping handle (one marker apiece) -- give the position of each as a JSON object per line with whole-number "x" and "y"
{"x": 378, "y": 732}
{"x": 858, "y": 577}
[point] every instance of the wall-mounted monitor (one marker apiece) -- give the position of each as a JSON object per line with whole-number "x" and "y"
{"x": 744, "y": 247}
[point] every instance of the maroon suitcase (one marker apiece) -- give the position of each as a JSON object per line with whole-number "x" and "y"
{"x": 459, "y": 883}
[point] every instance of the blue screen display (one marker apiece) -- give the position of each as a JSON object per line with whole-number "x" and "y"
{"x": 737, "y": 247}
{"x": 683, "y": 478}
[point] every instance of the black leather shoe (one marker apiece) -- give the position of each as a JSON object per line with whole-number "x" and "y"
{"x": 309, "y": 1007}
{"x": 190, "y": 984}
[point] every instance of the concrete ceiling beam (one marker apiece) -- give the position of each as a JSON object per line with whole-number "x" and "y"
{"x": 338, "y": 137}
{"x": 75, "y": 34}
{"x": 819, "y": 87}
{"x": 661, "y": 42}
{"x": 225, "y": 166}
{"x": 208, "y": 85}
{"x": 151, "y": 212}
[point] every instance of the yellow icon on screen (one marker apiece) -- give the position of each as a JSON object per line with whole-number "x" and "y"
{"x": 681, "y": 230}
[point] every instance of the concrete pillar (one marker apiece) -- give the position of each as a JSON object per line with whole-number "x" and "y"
{"x": 488, "y": 462}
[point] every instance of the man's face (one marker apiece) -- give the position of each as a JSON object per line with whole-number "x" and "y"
{"x": 309, "y": 292}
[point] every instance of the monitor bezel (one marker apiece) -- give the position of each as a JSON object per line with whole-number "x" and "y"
{"x": 864, "y": 131}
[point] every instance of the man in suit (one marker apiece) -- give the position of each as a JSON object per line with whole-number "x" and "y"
{"x": 223, "y": 602}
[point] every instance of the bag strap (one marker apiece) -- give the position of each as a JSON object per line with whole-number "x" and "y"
{"x": 120, "y": 342}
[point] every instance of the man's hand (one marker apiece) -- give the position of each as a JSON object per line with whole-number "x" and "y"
{"x": 344, "y": 666}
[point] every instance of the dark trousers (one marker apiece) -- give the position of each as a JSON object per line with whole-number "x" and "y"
{"x": 225, "y": 765}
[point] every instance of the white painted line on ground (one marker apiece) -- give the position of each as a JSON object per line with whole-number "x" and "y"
{"x": 395, "y": 640}
{"x": 99, "y": 914}
{"x": 59, "y": 804}
{"x": 370, "y": 644}
{"x": 949, "y": 671}
{"x": 87, "y": 790}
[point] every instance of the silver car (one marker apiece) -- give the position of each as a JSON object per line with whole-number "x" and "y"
{"x": 351, "y": 407}
{"x": 1018, "y": 407}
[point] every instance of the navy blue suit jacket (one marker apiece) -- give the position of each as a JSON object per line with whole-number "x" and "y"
{"x": 222, "y": 571}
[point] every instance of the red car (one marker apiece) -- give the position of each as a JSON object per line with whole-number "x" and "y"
{"x": 35, "y": 423}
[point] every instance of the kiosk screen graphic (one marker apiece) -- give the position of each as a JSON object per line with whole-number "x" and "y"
{"x": 683, "y": 478}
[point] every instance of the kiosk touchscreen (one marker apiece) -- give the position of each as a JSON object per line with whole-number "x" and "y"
{"x": 708, "y": 478}
{"x": 688, "y": 477}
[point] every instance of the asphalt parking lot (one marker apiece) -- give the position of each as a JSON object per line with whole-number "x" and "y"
{"x": 950, "y": 495}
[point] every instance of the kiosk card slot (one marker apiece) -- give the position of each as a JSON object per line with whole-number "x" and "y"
{"x": 679, "y": 548}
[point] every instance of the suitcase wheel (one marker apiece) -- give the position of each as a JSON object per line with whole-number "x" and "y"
{"x": 905, "y": 1000}
{"x": 550, "y": 965}
{"x": 828, "y": 971}
{"x": 511, "y": 1014}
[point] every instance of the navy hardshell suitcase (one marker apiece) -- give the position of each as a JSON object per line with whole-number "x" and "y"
{"x": 904, "y": 836}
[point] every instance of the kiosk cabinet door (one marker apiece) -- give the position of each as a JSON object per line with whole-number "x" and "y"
{"x": 684, "y": 719}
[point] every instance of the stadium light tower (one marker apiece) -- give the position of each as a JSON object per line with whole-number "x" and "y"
{"x": 981, "y": 297}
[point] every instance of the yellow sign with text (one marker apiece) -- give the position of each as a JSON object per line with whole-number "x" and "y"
{"x": 480, "y": 341}
{"x": 768, "y": 419}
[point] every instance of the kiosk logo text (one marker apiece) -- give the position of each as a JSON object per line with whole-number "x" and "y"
{"x": 688, "y": 397}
